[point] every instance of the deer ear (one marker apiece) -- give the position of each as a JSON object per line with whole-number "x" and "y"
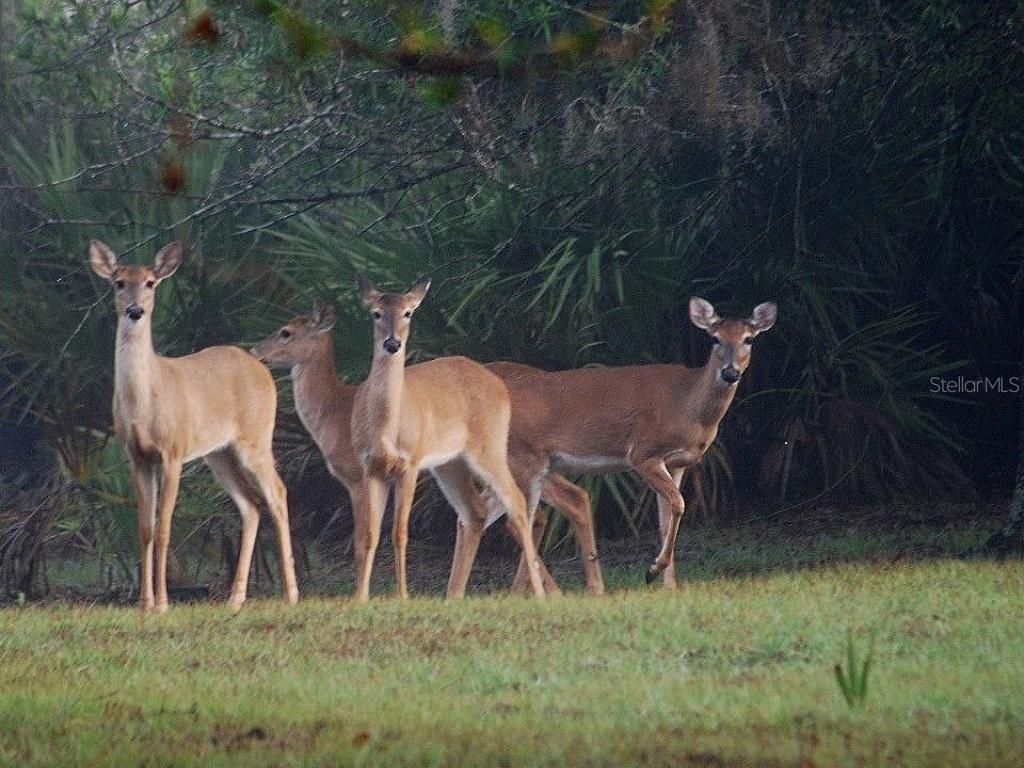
{"x": 367, "y": 289}
{"x": 102, "y": 259}
{"x": 763, "y": 317}
{"x": 167, "y": 260}
{"x": 418, "y": 292}
{"x": 702, "y": 313}
{"x": 323, "y": 317}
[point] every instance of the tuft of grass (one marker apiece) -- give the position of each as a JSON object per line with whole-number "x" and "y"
{"x": 853, "y": 679}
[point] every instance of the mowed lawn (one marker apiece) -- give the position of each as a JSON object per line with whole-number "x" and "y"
{"x": 728, "y": 671}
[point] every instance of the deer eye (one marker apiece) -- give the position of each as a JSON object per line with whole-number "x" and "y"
{"x": 377, "y": 315}
{"x": 119, "y": 284}
{"x": 285, "y": 333}
{"x": 408, "y": 313}
{"x": 749, "y": 340}
{"x": 150, "y": 283}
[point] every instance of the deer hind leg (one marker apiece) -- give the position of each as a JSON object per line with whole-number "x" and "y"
{"x": 405, "y": 493}
{"x": 656, "y": 474}
{"x": 456, "y": 484}
{"x": 668, "y": 524}
{"x": 491, "y": 469}
{"x": 467, "y": 542}
{"x": 145, "y": 476}
{"x": 521, "y": 580}
{"x": 168, "y": 498}
{"x": 530, "y": 475}
{"x": 374, "y": 500}
{"x": 259, "y": 465}
{"x": 230, "y": 473}
{"x": 574, "y": 502}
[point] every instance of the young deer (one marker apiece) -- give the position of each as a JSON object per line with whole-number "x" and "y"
{"x": 218, "y": 404}
{"x": 654, "y": 419}
{"x": 325, "y": 404}
{"x": 449, "y": 415}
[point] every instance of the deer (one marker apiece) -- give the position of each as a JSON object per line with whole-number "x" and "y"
{"x": 324, "y": 405}
{"x": 218, "y": 404}
{"x": 450, "y": 416}
{"x": 655, "y": 420}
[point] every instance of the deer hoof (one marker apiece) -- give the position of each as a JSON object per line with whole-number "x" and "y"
{"x": 651, "y": 574}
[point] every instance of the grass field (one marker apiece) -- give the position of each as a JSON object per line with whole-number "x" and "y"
{"x": 730, "y": 670}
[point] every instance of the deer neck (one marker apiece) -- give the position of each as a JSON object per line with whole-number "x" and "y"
{"x": 134, "y": 367}
{"x": 320, "y": 398}
{"x": 384, "y": 388}
{"x": 713, "y": 396}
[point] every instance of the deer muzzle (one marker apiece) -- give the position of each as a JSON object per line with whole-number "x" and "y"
{"x": 134, "y": 311}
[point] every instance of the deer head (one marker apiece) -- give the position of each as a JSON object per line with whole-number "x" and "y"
{"x": 392, "y": 313}
{"x": 299, "y": 340}
{"x": 733, "y": 337}
{"x": 134, "y": 286}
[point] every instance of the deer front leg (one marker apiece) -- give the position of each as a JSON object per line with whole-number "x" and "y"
{"x": 145, "y": 476}
{"x": 360, "y": 512}
{"x": 665, "y": 524}
{"x": 656, "y": 475}
{"x": 375, "y": 500}
{"x": 405, "y": 492}
{"x": 168, "y": 497}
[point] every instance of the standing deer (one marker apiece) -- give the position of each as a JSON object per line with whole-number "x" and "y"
{"x": 656, "y": 420}
{"x": 217, "y": 404}
{"x": 451, "y": 416}
{"x": 324, "y": 405}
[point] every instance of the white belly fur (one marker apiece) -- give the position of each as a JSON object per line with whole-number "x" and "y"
{"x": 587, "y": 465}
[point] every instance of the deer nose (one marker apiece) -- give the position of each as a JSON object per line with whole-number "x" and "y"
{"x": 134, "y": 311}
{"x": 730, "y": 375}
{"x": 392, "y": 345}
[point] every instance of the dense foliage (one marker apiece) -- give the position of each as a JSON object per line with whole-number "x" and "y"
{"x": 861, "y": 164}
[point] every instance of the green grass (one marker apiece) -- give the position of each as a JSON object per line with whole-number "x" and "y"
{"x": 727, "y": 671}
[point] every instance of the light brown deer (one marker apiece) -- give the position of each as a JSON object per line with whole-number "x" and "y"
{"x": 218, "y": 404}
{"x": 656, "y": 420}
{"x": 324, "y": 405}
{"x": 449, "y": 415}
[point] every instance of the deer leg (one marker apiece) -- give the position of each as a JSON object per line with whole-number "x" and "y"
{"x": 145, "y": 477}
{"x": 467, "y": 543}
{"x": 521, "y": 579}
{"x": 168, "y": 497}
{"x": 668, "y": 524}
{"x": 357, "y": 496}
{"x": 491, "y": 469}
{"x": 229, "y": 473}
{"x": 376, "y": 499}
{"x": 405, "y": 492}
{"x": 529, "y": 474}
{"x": 656, "y": 474}
{"x": 456, "y": 483}
{"x": 260, "y": 464}
{"x": 574, "y": 502}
